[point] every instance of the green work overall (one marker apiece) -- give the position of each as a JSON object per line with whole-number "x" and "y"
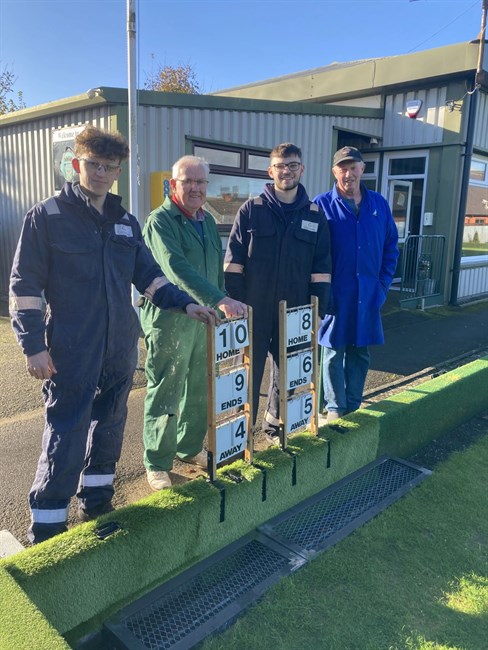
{"x": 175, "y": 407}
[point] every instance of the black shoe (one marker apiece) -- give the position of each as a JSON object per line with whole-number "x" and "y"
{"x": 89, "y": 515}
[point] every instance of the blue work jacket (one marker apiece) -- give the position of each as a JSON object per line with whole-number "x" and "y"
{"x": 364, "y": 251}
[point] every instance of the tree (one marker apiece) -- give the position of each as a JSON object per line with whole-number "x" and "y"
{"x": 7, "y": 81}
{"x": 179, "y": 79}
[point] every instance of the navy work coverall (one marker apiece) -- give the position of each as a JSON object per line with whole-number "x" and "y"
{"x": 83, "y": 263}
{"x": 276, "y": 251}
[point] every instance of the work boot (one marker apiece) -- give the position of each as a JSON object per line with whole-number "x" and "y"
{"x": 273, "y": 440}
{"x": 333, "y": 415}
{"x": 89, "y": 515}
{"x": 200, "y": 460}
{"x": 271, "y": 434}
{"x": 158, "y": 480}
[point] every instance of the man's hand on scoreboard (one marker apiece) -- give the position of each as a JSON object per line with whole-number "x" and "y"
{"x": 232, "y": 308}
{"x": 205, "y": 315}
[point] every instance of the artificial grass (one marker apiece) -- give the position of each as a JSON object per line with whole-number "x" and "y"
{"x": 415, "y": 577}
{"x": 76, "y": 580}
{"x": 21, "y": 621}
{"x": 408, "y": 420}
{"x": 417, "y": 415}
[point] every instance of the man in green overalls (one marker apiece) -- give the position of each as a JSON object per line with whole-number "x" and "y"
{"x": 184, "y": 240}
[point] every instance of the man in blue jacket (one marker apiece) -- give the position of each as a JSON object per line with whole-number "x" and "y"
{"x": 364, "y": 246}
{"x": 80, "y": 251}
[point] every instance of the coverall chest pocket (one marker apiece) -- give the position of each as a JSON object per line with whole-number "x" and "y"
{"x": 303, "y": 241}
{"x": 262, "y": 241}
{"x": 73, "y": 261}
{"x": 124, "y": 251}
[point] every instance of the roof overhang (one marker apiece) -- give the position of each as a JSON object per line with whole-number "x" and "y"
{"x": 119, "y": 96}
{"x": 340, "y": 81}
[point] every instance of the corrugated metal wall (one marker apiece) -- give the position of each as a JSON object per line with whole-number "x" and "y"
{"x": 400, "y": 130}
{"x": 473, "y": 280}
{"x": 162, "y": 132}
{"x": 26, "y": 175}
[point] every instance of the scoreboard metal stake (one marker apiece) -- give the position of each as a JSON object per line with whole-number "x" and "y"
{"x": 315, "y": 384}
{"x": 249, "y": 405}
{"x": 283, "y": 373}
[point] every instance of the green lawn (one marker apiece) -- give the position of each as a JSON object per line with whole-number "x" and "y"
{"x": 415, "y": 577}
{"x": 474, "y": 249}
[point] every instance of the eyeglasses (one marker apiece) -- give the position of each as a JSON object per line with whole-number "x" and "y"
{"x": 293, "y": 166}
{"x": 188, "y": 182}
{"x": 94, "y": 166}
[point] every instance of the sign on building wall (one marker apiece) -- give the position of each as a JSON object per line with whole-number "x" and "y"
{"x": 63, "y": 153}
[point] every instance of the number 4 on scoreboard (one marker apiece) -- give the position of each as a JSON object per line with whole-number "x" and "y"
{"x": 231, "y": 439}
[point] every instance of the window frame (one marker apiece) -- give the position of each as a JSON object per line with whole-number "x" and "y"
{"x": 244, "y": 152}
{"x": 244, "y": 170}
{"x": 482, "y": 257}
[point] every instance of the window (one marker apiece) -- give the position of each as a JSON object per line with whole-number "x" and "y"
{"x": 407, "y": 166}
{"x": 370, "y": 174}
{"x": 475, "y": 234}
{"x": 236, "y": 174}
{"x": 477, "y": 172}
{"x": 219, "y": 157}
{"x": 400, "y": 200}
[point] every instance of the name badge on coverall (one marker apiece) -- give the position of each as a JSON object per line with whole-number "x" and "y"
{"x": 125, "y": 231}
{"x": 310, "y": 225}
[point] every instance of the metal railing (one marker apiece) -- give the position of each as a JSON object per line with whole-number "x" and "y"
{"x": 422, "y": 264}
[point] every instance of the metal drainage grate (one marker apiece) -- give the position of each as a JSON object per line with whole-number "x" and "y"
{"x": 334, "y": 513}
{"x": 185, "y": 610}
{"x": 182, "y": 612}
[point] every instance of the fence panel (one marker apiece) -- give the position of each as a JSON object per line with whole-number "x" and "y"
{"x": 423, "y": 260}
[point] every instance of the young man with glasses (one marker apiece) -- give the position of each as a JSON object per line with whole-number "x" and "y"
{"x": 184, "y": 240}
{"x": 80, "y": 251}
{"x": 278, "y": 249}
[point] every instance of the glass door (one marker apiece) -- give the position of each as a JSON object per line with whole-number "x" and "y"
{"x": 400, "y": 201}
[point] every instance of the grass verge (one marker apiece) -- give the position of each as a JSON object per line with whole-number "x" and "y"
{"x": 415, "y": 577}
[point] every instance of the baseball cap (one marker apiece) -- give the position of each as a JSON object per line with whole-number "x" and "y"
{"x": 347, "y": 154}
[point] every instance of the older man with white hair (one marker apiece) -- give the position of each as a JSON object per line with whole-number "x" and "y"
{"x": 184, "y": 240}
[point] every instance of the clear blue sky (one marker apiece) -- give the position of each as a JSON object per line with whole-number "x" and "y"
{"x": 60, "y": 48}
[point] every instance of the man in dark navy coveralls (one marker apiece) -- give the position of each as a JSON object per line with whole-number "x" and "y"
{"x": 80, "y": 252}
{"x": 278, "y": 249}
